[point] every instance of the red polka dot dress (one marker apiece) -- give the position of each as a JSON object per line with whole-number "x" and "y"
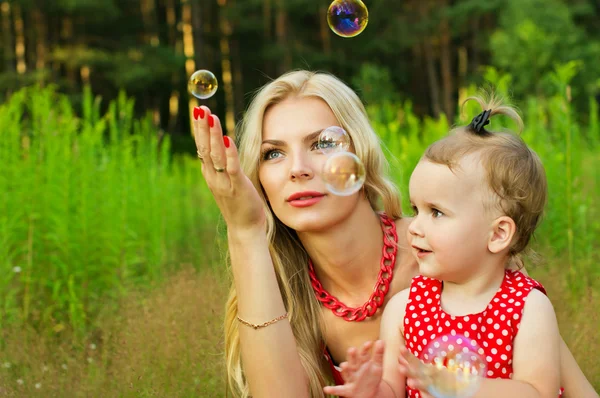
{"x": 493, "y": 329}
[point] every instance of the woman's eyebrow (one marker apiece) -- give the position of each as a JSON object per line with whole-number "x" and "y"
{"x": 307, "y": 138}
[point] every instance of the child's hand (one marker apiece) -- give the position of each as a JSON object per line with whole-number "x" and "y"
{"x": 362, "y": 372}
{"x": 421, "y": 376}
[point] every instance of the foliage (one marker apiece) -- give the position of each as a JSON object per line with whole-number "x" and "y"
{"x": 89, "y": 206}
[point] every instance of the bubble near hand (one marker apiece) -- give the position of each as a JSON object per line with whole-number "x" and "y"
{"x": 333, "y": 139}
{"x": 343, "y": 173}
{"x": 462, "y": 359}
{"x": 347, "y": 18}
{"x": 203, "y": 84}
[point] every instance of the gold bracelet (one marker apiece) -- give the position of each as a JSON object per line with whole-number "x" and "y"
{"x": 262, "y": 325}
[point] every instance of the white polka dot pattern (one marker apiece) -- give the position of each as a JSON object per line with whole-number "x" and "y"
{"x": 494, "y": 329}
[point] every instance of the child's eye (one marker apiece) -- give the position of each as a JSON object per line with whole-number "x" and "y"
{"x": 415, "y": 210}
{"x": 436, "y": 213}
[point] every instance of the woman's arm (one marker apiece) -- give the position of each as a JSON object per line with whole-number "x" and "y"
{"x": 271, "y": 361}
{"x": 269, "y": 355}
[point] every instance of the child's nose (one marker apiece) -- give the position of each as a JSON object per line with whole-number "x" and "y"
{"x": 414, "y": 228}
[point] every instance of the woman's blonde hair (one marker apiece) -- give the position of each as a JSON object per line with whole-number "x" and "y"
{"x": 514, "y": 172}
{"x": 288, "y": 255}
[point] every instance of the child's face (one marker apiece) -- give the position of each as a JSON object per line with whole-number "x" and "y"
{"x": 451, "y": 229}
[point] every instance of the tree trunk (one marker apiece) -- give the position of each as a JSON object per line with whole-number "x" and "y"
{"x": 7, "y": 37}
{"x": 225, "y": 29}
{"x": 171, "y": 35}
{"x": 474, "y": 43}
{"x": 19, "y": 39}
{"x": 268, "y": 33}
{"x": 428, "y": 55}
{"x": 324, "y": 30}
{"x": 446, "y": 66}
{"x": 188, "y": 47}
{"x": 282, "y": 42}
{"x": 66, "y": 40}
{"x": 41, "y": 48}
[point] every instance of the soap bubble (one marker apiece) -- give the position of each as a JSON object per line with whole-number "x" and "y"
{"x": 203, "y": 84}
{"x": 347, "y": 18}
{"x": 460, "y": 356}
{"x": 334, "y": 139}
{"x": 343, "y": 173}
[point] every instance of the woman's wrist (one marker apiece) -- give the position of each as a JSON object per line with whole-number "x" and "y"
{"x": 243, "y": 235}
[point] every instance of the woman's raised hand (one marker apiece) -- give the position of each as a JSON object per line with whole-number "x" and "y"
{"x": 233, "y": 191}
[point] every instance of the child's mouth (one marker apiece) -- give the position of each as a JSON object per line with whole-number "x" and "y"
{"x": 422, "y": 253}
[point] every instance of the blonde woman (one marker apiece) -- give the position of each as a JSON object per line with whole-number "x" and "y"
{"x": 311, "y": 271}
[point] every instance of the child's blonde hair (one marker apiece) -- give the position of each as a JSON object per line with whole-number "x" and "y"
{"x": 514, "y": 172}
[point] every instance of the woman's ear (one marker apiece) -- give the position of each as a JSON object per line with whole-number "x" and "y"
{"x": 503, "y": 231}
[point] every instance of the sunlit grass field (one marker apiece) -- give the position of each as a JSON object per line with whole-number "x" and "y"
{"x": 111, "y": 274}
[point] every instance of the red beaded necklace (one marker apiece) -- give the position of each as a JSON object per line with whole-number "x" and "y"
{"x": 368, "y": 309}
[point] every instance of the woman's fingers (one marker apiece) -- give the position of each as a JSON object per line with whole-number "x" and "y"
{"x": 233, "y": 161}
{"x": 217, "y": 146}
{"x": 202, "y": 135}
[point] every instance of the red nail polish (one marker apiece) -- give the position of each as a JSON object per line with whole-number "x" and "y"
{"x": 198, "y": 112}
{"x": 226, "y": 141}
{"x": 211, "y": 121}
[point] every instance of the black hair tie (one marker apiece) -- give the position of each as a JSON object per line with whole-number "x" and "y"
{"x": 480, "y": 121}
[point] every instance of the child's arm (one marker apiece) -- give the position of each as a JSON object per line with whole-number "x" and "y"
{"x": 536, "y": 357}
{"x": 375, "y": 374}
{"x": 572, "y": 378}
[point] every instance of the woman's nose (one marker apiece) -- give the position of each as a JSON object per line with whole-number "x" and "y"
{"x": 301, "y": 168}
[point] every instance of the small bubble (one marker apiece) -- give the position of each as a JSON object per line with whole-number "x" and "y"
{"x": 203, "y": 84}
{"x": 20, "y": 382}
{"x": 347, "y": 18}
{"x": 17, "y": 269}
{"x": 461, "y": 364}
{"x": 333, "y": 139}
{"x": 64, "y": 366}
{"x": 92, "y": 346}
{"x": 6, "y": 365}
{"x": 38, "y": 385}
{"x": 90, "y": 359}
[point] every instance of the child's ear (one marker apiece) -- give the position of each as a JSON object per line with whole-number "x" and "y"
{"x": 503, "y": 231}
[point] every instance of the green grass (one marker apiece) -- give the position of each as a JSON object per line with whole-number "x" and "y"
{"x": 89, "y": 206}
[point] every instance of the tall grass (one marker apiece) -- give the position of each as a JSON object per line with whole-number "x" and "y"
{"x": 88, "y": 206}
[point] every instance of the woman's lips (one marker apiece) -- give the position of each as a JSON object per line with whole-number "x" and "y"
{"x": 305, "y": 202}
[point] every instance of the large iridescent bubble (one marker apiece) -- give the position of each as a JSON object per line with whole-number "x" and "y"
{"x": 203, "y": 84}
{"x": 460, "y": 356}
{"x": 347, "y": 18}
{"x": 343, "y": 173}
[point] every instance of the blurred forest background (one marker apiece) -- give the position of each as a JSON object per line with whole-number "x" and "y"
{"x": 423, "y": 50}
{"x": 112, "y": 279}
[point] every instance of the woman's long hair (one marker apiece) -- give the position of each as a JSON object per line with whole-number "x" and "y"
{"x": 288, "y": 255}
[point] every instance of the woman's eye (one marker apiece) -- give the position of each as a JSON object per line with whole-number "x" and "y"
{"x": 324, "y": 144}
{"x": 270, "y": 154}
